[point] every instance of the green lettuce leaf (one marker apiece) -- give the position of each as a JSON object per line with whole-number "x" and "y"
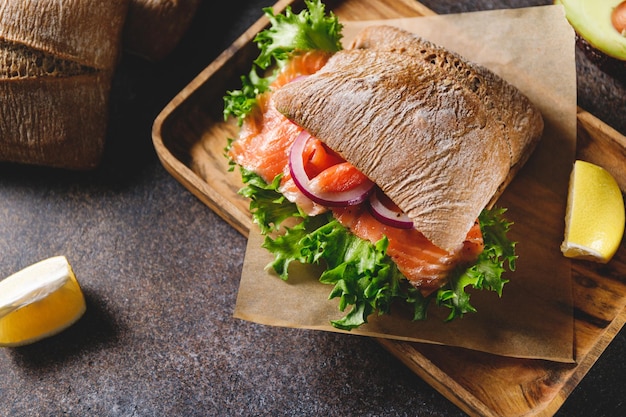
{"x": 269, "y": 208}
{"x": 288, "y": 33}
{"x": 311, "y": 29}
{"x": 363, "y": 277}
{"x": 486, "y": 272}
{"x": 240, "y": 103}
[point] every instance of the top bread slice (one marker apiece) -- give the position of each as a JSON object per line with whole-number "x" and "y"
{"x": 439, "y": 135}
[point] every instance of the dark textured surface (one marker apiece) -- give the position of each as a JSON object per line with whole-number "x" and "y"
{"x": 160, "y": 272}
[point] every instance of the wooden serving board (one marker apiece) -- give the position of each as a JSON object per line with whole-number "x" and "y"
{"x": 189, "y": 137}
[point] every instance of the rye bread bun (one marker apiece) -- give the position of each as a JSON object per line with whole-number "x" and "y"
{"x": 57, "y": 61}
{"x": 439, "y": 135}
{"x": 154, "y": 28}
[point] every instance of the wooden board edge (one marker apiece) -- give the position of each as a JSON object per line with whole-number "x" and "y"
{"x": 607, "y": 149}
{"x": 419, "y": 7}
{"x": 585, "y": 365}
{"x": 436, "y": 378}
{"x": 468, "y": 402}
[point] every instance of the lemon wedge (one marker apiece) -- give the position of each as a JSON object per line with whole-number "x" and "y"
{"x": 594, "y": 220}
{"x": 39, "y": 301}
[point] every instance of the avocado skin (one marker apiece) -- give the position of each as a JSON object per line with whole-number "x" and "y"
{"x": 614, "y": 67}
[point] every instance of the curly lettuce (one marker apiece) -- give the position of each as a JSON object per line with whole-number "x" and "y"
{"x": 288, "y": 33}
{"x": 363, "y": 277}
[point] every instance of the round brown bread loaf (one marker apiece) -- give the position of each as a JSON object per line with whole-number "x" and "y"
{"x": 57, "y": 60}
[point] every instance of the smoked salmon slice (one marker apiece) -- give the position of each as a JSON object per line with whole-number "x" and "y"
{"x": 425, "y": 265}
{"x": 266, "y": 136}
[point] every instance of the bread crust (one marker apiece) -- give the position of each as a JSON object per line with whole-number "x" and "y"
{"x": 57, "y": 122}
{"x": 154, "y": 27}
{"x": 86, "y": 32}
{"x": 521, "y": 120}
{"x": 58, "y": 59}
{"x": 439, "y": 135}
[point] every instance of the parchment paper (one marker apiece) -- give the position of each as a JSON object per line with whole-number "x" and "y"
{"x": 533, "y": 48}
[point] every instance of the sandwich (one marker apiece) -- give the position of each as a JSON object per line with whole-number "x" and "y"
{"x": 381, "y": 161}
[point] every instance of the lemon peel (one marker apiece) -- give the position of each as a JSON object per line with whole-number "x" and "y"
{"x": 594, "y": 220}
{"x": 39, "y": 301}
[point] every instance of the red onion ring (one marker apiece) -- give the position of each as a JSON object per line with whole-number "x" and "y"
{"x": 298, "y": 77}
{"x": 296, "y": 167}
{"x": 387, "y": 216}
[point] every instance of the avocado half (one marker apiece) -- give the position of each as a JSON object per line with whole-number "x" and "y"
{"x": 596, "y": 34}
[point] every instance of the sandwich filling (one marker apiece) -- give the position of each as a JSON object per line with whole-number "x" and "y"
{"x": 380, "y": 162}
{"x": 265, "y": 145}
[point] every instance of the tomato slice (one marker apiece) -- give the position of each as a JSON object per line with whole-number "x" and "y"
{"x": 318, "y": 157}
{"x": 337, "y": 183}
{"x": 328, "y": 172}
